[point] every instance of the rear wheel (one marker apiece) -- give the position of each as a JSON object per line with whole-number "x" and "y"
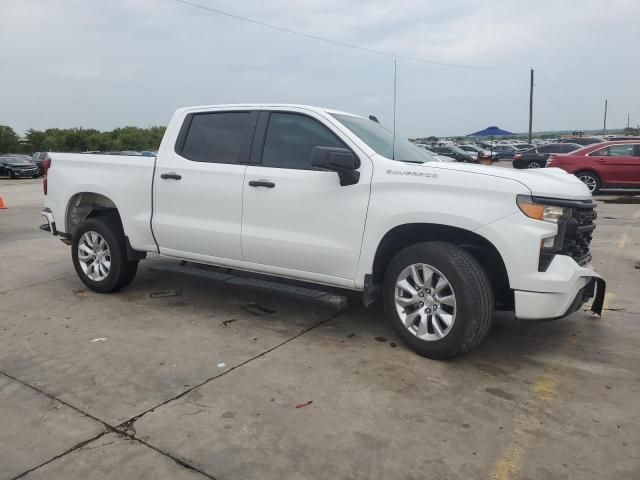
{"x": 100, "y": 257}
{"x": 438, "y": 298}
{"x": 591, "y": 180}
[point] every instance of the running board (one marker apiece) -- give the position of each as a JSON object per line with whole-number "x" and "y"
{"x": 332, "y": 300}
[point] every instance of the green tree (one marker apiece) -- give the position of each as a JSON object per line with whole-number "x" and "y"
{"x": 34, "y": 140}
{"x": 9, "y": 140}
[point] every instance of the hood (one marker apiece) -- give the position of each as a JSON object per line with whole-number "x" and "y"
{"x": 542, "y": 182}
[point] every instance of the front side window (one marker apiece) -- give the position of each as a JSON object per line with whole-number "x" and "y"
{"x": 291, "y": 138}
{"x": 216, "y": 137}
{"x": 603, "y": 152}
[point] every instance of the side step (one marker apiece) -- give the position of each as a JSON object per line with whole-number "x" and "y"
{"x": 332, "y": 300}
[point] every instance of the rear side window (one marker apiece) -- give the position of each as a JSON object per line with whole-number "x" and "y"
{"x": 217, "y": 137}
{"x": 291, "y": 138}
{"x": 621, "y": 151}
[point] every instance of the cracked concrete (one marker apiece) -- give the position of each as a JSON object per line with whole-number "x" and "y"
{"x": 550, "y": 400}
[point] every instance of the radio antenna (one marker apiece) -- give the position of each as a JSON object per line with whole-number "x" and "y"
{"x": 395, "y": 88}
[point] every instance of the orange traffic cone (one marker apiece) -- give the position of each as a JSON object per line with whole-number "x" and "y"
{"x": 2, "y": 204}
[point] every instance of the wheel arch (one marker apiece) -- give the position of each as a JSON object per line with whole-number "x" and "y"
{"x": 84, "y": 205}
{"x": 402, "y": 236}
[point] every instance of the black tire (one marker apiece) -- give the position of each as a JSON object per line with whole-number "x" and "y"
{"x": 473, "y": 295}
{"x": 121, "y": 271}
{"x": 583, "y": 176}
{"x": 535, "y": 164}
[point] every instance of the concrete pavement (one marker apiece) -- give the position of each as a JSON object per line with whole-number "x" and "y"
{"x": 153, "y": 400}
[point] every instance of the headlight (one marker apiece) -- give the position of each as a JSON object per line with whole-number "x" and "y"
{"x": 540, "y": 211}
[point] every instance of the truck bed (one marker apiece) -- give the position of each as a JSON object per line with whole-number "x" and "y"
{"x": 126, "y": 181}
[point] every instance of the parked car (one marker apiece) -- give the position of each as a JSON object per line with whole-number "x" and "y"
{"x": 434, "y": 156}
{"x": 330, "y": 198}
{"x": 521, "y": 147}
{"x": 603, "y": 165}
{"x": 456, "y": 153}
{"x": 474, "y": 149}
{"x": 582, "y": 140}
{"x": 504, "y": 151}
{"x": 537, "y": 157}
{"x": 38, "y": 158}
{"x": 16, "y": 167}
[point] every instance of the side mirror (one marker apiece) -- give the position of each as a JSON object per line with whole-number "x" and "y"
{"x": 339, "y": 160}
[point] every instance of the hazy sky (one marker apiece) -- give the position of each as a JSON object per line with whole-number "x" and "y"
{"x": 102, "y": 64}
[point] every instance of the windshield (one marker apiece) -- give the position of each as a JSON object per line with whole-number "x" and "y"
{"x": 15, "y": 161}
{"x": 381, "y": 140}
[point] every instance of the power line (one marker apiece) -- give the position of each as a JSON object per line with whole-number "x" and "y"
{"x": 558, "y": 86}
{"x": 341, "y": 44}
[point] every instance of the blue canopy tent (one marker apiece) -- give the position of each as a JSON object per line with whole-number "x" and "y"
{"x": 491, "y": 132}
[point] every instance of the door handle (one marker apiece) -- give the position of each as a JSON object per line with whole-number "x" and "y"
{"x": 261, "y": 183}
{"x": 171, "y": 175}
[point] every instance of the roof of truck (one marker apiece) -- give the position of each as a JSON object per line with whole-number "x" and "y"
{"x": 271, "y": 105}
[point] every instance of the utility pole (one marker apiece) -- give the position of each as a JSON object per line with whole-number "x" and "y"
{"x": 531, "y": 106}
{"x": 604, "y": 127}
{"x": 628, "y": 117}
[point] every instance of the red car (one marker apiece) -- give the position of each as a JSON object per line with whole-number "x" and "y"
{"x": 603, "y": 165}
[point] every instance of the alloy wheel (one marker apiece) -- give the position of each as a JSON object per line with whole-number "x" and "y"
{"x": 589, "y": 181}
{"x": 94, "y": 256}
{"x": 425, "y": 302}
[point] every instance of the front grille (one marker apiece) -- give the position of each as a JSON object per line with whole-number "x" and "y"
{"x": 578, "y": 234}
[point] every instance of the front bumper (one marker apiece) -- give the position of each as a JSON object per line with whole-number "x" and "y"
{"x": 26, "y": 173}
{"x": 552, "y": 305}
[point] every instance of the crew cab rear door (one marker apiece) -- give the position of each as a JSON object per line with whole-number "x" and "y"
{"x": 298, "y": 218}
{"x": 198, "y": 185}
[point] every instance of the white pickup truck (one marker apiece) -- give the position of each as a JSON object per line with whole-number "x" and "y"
{"x": 331, "y": 198}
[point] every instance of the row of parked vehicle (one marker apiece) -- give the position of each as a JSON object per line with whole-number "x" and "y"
{"x": 22, "y": 166}
{"x": 599, "y": 163}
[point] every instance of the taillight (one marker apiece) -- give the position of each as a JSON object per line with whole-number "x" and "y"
{"x": 46, "y": 165}
{"x": 517, "y": 156}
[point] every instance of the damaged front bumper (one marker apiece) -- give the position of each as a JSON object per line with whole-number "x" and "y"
{"x": 553, "y": 305}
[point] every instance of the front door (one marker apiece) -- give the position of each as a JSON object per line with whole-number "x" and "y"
{"x": 297, "y": 217}
{"x": 198, "y": 186}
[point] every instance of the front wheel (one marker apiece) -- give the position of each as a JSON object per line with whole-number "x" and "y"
{"x": 591, "y": 180}
{"x": 535, "y": 164}
{"x": 438, "y": 298}
{"x": 100, "y": 257}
